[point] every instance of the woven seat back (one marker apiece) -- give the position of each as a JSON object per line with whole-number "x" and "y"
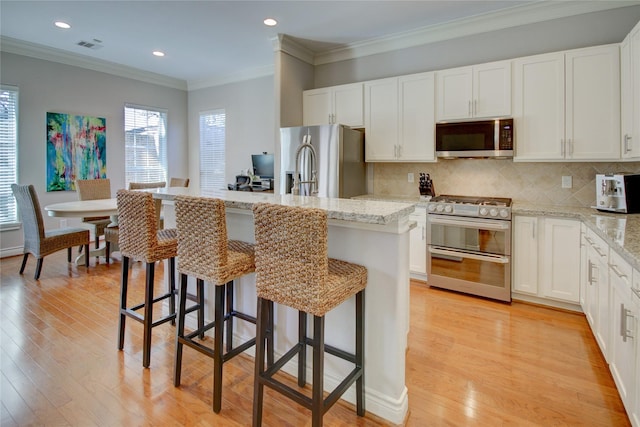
{"x": 93, "y": 189}
{"x": 291, "y": 255}
{"x": 179, "y": 182}
{"x": 138, "y": 225}
{"x": 29, "y": 208}
{"x": 146, "y": 185}
{"x": 202, "y": 237}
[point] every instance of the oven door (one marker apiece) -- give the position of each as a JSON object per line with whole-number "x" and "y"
{"x": 470, "y": 255}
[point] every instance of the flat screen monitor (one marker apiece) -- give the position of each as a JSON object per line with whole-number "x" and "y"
{"x": 263, "y": 165}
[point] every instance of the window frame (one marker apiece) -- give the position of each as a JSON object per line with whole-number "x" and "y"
{"x": 160, "y": 173}
{"x": 13, "y": 219}
{"x": 214, "y": 176}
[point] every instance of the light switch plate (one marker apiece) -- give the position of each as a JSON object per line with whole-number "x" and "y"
{"x": 410, "y": 177}
{"x": 567, "y": 182}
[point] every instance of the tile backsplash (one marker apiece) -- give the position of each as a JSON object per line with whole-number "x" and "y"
{"x": 539, "y": 183}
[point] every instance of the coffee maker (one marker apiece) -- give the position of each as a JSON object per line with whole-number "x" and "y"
{"x": 619, "y": 192}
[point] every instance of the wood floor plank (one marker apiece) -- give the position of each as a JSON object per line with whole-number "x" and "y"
{"x": 470, "y": 362}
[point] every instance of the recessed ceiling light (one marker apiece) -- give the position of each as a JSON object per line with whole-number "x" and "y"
{"x": 61, "y": 24}
{"x": 158, "y": 53}
{"x": 270, "y": 22}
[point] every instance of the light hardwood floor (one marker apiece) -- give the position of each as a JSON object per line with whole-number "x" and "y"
{"x": 470, "y": 362}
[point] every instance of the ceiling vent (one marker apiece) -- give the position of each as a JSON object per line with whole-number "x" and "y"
{"x": 91, "y": 45}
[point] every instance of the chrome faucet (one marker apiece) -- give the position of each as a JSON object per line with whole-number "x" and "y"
{"x": 297, "y": 183}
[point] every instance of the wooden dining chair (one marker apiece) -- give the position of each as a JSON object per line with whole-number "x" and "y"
{"x": 37, "y": 240}
{"x": 94, "y": 189}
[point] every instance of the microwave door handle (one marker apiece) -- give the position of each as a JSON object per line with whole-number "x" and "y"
{"x": 496, "y": 259}
{"x": 497, "y": 226}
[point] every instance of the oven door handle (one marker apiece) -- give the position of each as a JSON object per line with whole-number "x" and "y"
{"x": 496, "y": 259}
{"x": 490, "y": 226}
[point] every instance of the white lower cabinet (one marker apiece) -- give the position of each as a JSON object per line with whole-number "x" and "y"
{"x": 546, "y": 258}
{"x": 624, "y": 332}
{"x": 418, "y": 245}
{"x": 596, "y": 307}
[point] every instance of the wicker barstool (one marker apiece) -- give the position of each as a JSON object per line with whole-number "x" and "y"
{"x": 205, "y": 253}
{"x": 140, "y": 239}
{"x": 293, "y": 269}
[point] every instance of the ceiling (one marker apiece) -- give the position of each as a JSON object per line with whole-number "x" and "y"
{"x": 219, "y": 39}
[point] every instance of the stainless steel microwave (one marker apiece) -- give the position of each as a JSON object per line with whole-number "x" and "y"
{"x": 486, "y": 138}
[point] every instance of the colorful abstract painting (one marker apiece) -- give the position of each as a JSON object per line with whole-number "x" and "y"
{"x": 76, "y": 149}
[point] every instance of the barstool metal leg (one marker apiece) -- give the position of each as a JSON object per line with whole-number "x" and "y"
{"x": 172, "y": 287}
{"x": 182, "y": 301}
{"x": 200, "y": 298}
{"x": 360, "y": 408}
{"x": 302, "y": 352}
{"x": 229, "y": 315}
{"x": 148, "y": 315}
{"x": 217, "y": 349}
{"x": 317, "y": 409}
{"x": 124, "y": 282}
{"x": 258, "y": 387}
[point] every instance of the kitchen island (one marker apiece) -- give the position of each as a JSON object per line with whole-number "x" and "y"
{"x": 371, "y": 233}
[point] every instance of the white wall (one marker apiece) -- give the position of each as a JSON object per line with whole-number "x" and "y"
{"x": 249, "y": 107}
{"x": 590, "y": 29}
{"x": 50, "y": 86}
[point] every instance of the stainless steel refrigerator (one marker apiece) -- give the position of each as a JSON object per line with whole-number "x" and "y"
{"x": 329, "y": 160}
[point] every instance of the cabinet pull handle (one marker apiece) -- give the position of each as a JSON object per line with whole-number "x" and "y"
{"x": 562, "y": 147}
{"x": 597, "y": 249}
{"x": 636, "y": 291}
{"x": 594, "y": 277}
{"x": 475, "y": 107}
{"x": 470, "y": 114}
{"x": 624, "y": 330}
{"x": 570, "y": 143}
{"x": 614, "y": 268}
{"x": 399, "y": 151}
{"x": 589, "y": 272}
{"x": 627, "y": 138}
{"x": 423, "y": 232}
{"x": 533, "y": 230}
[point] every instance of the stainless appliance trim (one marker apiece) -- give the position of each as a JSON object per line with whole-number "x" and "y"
{"x": 491, "y": 225}
{"x": 498, "y": 259}
{"x": 494, "y": 152}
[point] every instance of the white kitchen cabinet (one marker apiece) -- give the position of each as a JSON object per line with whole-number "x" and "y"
{"x": 546, "y": 258}
{"x": 567, "y": 105}
{"x": 341, "y": 104}
{"x": 418, "y": 244}
{"x": 474, "y": 92}
{"x": 624, "y": 332}
{"x": 630, "y": 93}
{"x": 597, "y": 293}
{"x": 399, "y": 118}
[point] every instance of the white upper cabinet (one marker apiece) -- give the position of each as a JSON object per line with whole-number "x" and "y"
{"x": 567, "y": 105}
{"x": 399, "y": 118}
{"x": 480, "y": 91}
{"x": 630, "y": 92}
{"x": 337, "y": 104}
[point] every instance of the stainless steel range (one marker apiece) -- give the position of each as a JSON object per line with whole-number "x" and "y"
{"x": 469, "y": 245}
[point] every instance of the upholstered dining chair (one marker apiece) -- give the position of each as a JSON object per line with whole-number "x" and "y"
{"x": 178, "y": 182}
{"x": 93, "y": 189}
{"x": 37, "y": 240}
{"x": 140, "y": 240}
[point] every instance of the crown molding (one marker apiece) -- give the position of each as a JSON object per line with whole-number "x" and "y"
{"x": 285, "y": 43}
{"x": 254, "y": 73}
{"x": 506, "y": 18}
{"x": 19, "y": 47}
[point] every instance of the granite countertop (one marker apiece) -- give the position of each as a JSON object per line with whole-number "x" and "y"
{"x": 620, "y": 231}
{"x": 359, "y": 211}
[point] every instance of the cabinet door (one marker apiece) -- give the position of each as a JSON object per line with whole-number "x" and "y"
{"x": 316, "y": 107}
{"x": 492, "y": 89}
{"x": 525, "y": 254}
{"x": 417, "y": 117}
{"x": 348, "y": 107}
{"x": 561, "y": 260}
{"x": 418, "y": 239}
{"x": 539, "y": 107}
{"x": 624, "y": 334}
{"x": 591, "y": 293}
{"x": 630, "y": 92}
{"x": 453, "y": 95}
{"x": 593, "y": 103}
{"x": 381, "y": 119}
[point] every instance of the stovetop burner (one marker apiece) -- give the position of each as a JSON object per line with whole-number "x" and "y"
{"x": 471, "y": 206}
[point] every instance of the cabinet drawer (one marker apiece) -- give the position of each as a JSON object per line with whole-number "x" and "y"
{"x": 620, "y": 267}
{"x": 598, "y": 244}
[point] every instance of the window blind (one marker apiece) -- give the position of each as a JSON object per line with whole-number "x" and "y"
{"x": 212, "y": 150}
{"x": 145, "y": 156}
{"x": 8, "y": 153}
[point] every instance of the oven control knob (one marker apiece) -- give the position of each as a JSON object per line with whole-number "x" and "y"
{"x": 504, "y": 213}
{"x": 432, "y": 207}
{"x": 493, "y": 212}
{"x": 439, "y": 208}
{"x": 484, "y": 211}
{"x": 448, "y": 209}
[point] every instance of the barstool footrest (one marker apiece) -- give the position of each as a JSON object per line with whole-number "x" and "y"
{"x": 345, "y": 355}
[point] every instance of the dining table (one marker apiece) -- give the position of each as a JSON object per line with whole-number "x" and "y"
{"x": 86, "y": 208}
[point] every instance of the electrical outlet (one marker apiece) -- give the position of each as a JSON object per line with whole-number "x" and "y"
{"x": 410, "y": 177}
{"x": 567, "y": 182}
